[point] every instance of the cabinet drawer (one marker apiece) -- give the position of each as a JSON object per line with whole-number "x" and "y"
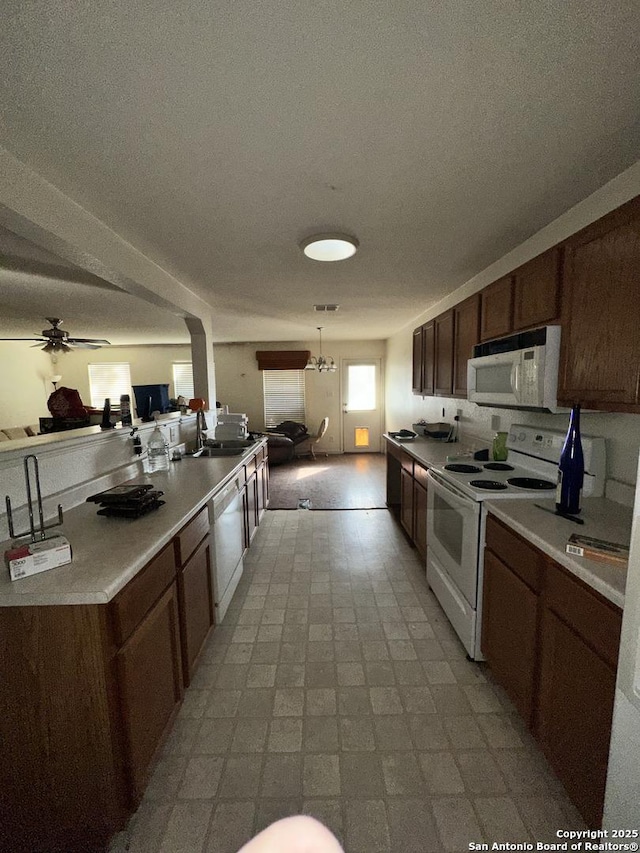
{"x": 259, "y": 455}
{"x": 250, "y": 467}
{"x": 394, "y": 451}
{"x": 131, "y": 604}
{"x": 191, "y": 536}
{"x": 521, "y": 557}
{"x": 407, "y": 463}
{"x": 420, "y": 474}
{"x": 597, "y": 621}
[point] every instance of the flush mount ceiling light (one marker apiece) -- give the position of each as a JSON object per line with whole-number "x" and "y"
{"x": 329, "y": 247}
{"x": 321, "y": 363}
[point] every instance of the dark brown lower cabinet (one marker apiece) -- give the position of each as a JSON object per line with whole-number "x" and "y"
{"x": 509, "y": 632}
{"x": 420, "y": 518}
{"x": 406, "y": 502}
{"x": 196, "y": 606}
{"x": 552, "y": 642}
{"x": 150, "y": 686}
{"x": 575, "y": 709}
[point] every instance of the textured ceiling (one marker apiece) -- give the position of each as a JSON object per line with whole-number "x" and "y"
{"x": 214, "y": 136}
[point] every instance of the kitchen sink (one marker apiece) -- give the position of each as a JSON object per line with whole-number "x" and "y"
{"x": 230, "y": 447}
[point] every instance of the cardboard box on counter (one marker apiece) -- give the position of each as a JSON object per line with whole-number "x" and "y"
{"x": 31, "y": 558}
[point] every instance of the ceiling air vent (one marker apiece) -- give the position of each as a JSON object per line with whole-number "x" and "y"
{"x": 324, "y": 309}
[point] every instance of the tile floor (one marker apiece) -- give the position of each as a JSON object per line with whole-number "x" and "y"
{"x": 337, "y": 688}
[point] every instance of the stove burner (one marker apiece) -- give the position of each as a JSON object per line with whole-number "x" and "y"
{"x": 463, "y": 469}
{"x": 530, "y": 483}
{"x": 498, "y": 466}
{"x": 489, "y": 485}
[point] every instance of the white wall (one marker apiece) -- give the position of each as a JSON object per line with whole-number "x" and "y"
{"x": 239, "y": 382}
{"x": 24, "y": 384}
{"x": 25, "y": 379}
{"x": 149, "y": 365}
{"x": 621, "y": 431}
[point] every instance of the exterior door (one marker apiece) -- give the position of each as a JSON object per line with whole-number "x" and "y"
{"x": 362, "y": 405}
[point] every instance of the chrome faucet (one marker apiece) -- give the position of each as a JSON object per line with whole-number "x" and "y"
{"x": 201, "y": 427}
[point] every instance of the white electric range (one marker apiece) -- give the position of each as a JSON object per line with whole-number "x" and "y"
{"x": 456, "y": 516}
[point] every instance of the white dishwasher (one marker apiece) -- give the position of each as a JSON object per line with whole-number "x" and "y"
{"x": 228, "y": 545}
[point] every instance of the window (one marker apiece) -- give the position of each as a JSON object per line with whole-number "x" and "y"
{"x": 109, "y": 380}
{"x": 183, "y": 379}
{"x": 362, "y": 388}
{"x": 283, "y": 396}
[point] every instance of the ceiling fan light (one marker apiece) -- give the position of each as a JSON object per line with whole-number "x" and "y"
{"x": 329, "y": 247}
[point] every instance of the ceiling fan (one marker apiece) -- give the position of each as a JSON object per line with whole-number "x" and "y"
{"x": 57, "y": 340}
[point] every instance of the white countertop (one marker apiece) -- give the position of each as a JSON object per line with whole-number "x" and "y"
{"x": 604, "y": 519}
{"x": 430, "y": 452}
{"x": 108, "y": 552}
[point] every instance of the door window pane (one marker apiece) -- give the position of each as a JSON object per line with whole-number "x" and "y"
{"x": 362, "y": 387}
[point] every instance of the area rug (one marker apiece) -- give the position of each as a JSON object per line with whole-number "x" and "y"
{"x": 345, "y": 481}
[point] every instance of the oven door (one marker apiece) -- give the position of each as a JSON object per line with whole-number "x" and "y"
{"x": 453, "y": 534}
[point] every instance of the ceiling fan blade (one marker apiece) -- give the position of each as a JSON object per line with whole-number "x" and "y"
{"x": 96, "y": 341}
{"x": 82, "y": 345}
{"x": 23, "y": 339}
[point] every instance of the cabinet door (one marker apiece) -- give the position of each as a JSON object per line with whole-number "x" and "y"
{"x": 406, "y": 502}
{"x": 574, "y": 716}
{"x": 418, "y": 336}
{"x": 444, "y": 354}
{"x": 196, "y": 607}
{"x": 496, "y": 313}
{"x": 420, "y": 518}
{"x": 250, "y": 503}
{"x": 150, "y": 684}
{"x": 509, "y": 623}
{"x": 536, "y": 291}
{"x": 428, "y": 358}
{"x": 466, "y": 336}
{"x": 260, "y": 491}
{"x": 600, "y": 358}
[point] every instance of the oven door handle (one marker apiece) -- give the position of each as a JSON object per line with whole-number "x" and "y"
{"x": 440, "y": 482}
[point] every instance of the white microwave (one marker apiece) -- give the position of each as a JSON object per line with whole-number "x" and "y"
{"x": 517, "y": 372}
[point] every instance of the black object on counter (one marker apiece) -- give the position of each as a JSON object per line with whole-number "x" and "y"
{"x": 482, "y": 455}
{"x": 106, "y": 415}
{"x": 127, "y": 501}
{"x": 571, "y": 468}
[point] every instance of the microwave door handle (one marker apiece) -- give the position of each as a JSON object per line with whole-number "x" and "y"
{"x": 515, "y": 380}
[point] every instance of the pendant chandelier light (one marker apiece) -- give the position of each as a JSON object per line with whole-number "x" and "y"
{"x": 324, "y": 364}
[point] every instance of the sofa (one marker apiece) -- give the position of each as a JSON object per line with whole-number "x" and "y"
{"x": 282, "y": 441}
{"x": 13, "y": 433}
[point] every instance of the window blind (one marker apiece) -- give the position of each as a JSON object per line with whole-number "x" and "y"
{"x": 183, "y": 379}
{"x": 110, "y": 379}
{"x": 283, "y": 396}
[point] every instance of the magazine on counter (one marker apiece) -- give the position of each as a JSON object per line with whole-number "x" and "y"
{"x": 598, "y": 549}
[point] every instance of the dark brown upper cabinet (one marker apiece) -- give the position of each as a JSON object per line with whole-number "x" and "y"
{"x": 536, "y": 291}
{"x": 600, "y": 350}
{"x": 417, "y": 360}
{"x": 423, "y": 359}
{"x": 466, "y": 335}
{"x": 497, "y": 309}
{"x": 444, "y": 354}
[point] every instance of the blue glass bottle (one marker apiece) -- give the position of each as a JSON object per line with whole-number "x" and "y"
{"x": 571, "y": 468}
